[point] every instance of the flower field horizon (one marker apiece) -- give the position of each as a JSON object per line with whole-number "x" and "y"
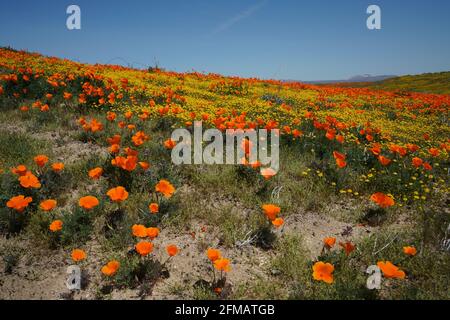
{"x": 87, "y": 180}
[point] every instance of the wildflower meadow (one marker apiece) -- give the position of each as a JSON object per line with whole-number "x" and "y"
{"x": 357, "y": 210}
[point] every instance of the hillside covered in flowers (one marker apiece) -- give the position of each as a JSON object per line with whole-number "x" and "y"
{"x": 87, "y": 180}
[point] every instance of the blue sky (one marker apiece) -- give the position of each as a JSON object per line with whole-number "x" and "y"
{"x": 280, "y": 39}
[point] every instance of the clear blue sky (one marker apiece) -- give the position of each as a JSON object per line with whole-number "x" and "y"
{"x": 282, "y": 39}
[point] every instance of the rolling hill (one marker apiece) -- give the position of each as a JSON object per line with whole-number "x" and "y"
{"x": 437, "y": 83}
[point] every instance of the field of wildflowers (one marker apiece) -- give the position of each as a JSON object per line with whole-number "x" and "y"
{"x": 87, "y": 180}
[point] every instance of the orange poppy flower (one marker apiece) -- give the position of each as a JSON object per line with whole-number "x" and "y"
{"x": 323, "y": 272}
{"x": 19, "y": 203}
{"x": 78, "y": 255}
{"x": 95, "y": 173}
{"x": 267, "y": 173}
{"x": 128, "y": 114}
{"x": 56, "y": 226}
{"x": 20, "y": 170}
{"x": 213, "y": 254}
{"x": 278, "y": 222}
{"x": 153, "y": 207}
{"x": 29, "y": 180}
{"x": 114, "y": 148}
{"x": 340, "y": 159}
{"x": 434, "y": 152}
{"x": 338, "y": 155}
{"x": 384, "y": 201}
{"x": 58, "y": 166}
{"x": 165, "y": 187}
{"x": 114, "y": 139}
{"x": 118, "y": 194}
{"x": 384, "y": 161}
{"x": 417, "y": 162}
{"x": 222, "y": 264}
{"x": 340, "y": 138}
{"x": 271, "y": 211}
{"x": 172, "y": 250}
{"x": 41, "y": 160}
{"x": 169, "y": 144}
{"x": 48, "y": 205}
{"x": 67, "y": 95}
{"x": 412, "y": 147}
{"x": 139, "y": 138}
{"x": 427, "y": 166}
{"x": 139, "y": 230}
{"x": 329, "y": 242}
{"x": 128, "y": 163}
{"x": 152, "y": 233}
{"x": 88, "y": 202}
{"x": 111, "y": 268}
{"x": 144, "y": 248}
{"x": 144, "y": 165}
{"x": 348, "y": 247}
{"x": 110, "y": 116}
{"x": 410, "y": 251}
{"x": 390, "y": 270}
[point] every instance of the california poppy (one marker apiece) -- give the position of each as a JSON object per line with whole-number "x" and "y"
{"x": 152, "y": 233}
{"x": 329, "y": 242}
{"x": 144, "y": 165}
{"x": 20, "y": 170}
{"x": 340, "y": 159}
{"x": 19, "y": 203}
{"x": 434, "y": 152}
{"x": 95, "y": 173}
{"x": 267, "y": 173}
{"x": 111, "y": 268}
{"x": 222, "y": 264}
{"x": 213, "y": 254}
{"x": 323, "y": 272}
{"x": 347, "y": 246}
{"x": 410, "y": 251}
{"x": 172, "y": 250}
{"x": 56, "y": 225}
{"x": 139, "y": 231}
{"x": 48, "y": 205}
{"x": 144, "y": 248}
{"x": 390, "y": 270}
{"x": 165, "y": 187}
{"x": 417, "y": 162}
{"x": 153, "y": 207}
{"x": 58, "y": 166}
{"x": 427, "y": 166}
{"x": 114, "y": 148}
{"x": 271, "y": 211}
{"x": 29, "y": 180}
{"x": 88, "y": 202}
{"x": 78, "y": 255}
{"x": 384, "y": 161}
{"x": 41, "y": 160}
{"x": 117, "y": 194}
{"x": 169, "y": 144}
{"x": 384, "y": 201}
{"x": 278, "y": 222}
{"x": 114, "y": 139}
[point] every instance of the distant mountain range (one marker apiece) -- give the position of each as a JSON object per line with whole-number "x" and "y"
{"x": 358, "y": 78}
